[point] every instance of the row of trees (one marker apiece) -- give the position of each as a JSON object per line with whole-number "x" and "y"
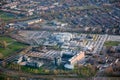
{"x": 38, "y": 70}
{"x": 85, "y": 71}
{"x": 3, "y": 44}
{"x": 80, "y": 71}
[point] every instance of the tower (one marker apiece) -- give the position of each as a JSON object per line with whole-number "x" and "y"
{"x": 57, "y": 61}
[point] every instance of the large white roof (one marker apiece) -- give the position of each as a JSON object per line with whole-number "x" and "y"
{"x": 68, "y": 66}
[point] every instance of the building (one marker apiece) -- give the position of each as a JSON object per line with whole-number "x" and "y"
{"x": 11, "y": 5}
{"x": 30, "y": 22}
{"x": 23, "y": 59}
{"x": 73, "y": 60}
{"x": 76, "y": 58}
{"x": 68, "y": 66}
{"x": 34, "y": 64}
{"x": 63, "y": 37}
{"x": 57, "y": 61}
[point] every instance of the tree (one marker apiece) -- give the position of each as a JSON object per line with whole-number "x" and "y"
{"x": 4, "y": 64}
{"x": 55, "y": 72}
{"x": 85, "y": 71}
{"x": 36, "y": 71}
{"x": 4, "y": 44}
{"x": 109, "y": 70}
{"x": 1, "y": 55}
{"x": 46, "y": 71}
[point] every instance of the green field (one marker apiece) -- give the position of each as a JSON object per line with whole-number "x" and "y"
{"x": 5, "y": 16}
{"x": 12, "y": 46}
{"x": 111, "y": 43}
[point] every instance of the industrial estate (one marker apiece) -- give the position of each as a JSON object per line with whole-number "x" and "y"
{"x": 59, "y": 39}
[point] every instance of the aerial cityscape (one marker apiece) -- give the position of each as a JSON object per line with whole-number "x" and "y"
{"x": 59, "y": 39}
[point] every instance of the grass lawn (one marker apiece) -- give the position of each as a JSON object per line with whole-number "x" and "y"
{"x": 111, "y": 43}
{"x": 12, "y": 46}
{"x": 32, "y": 70}
{"x": 5, "y": 17}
